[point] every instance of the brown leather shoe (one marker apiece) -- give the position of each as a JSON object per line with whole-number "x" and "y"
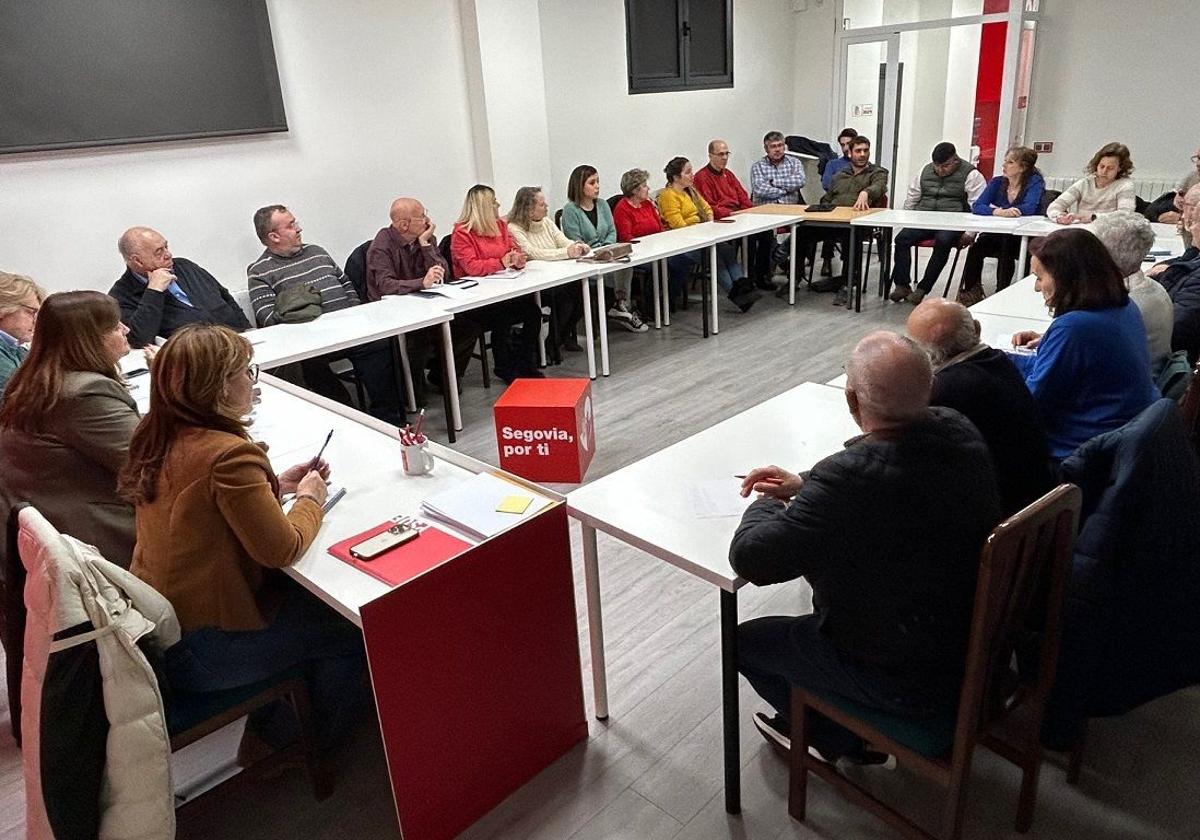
{"x": 971, "y": 296}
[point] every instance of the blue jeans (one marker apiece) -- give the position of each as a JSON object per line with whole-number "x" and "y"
{"x": 778, "y": 652}
{"x": 729, "y": 267}
{"x": 679, "y": 268}
{"x": 304, "y": 632}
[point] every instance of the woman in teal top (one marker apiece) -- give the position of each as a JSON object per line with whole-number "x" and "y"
{"x": 20, "y": 300}
{"x": 587, "y": 218}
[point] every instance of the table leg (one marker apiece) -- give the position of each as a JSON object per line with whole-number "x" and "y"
{"x": 591, "y": 578}
{"x": 745, "y": 256}
{"x": 395, "y": 347}
{"x": 729, "y": 702}
{"x": 666, "y": 292}
{"x": 792, "y": 265}
{"x": 658, "y": 307}
{"x": 602, "y": 319}
{"x": 587, "y": 325}
{"x": 537, "y": 301}
{"x": 710, "y": 302}
{"x": 851, "y": 270}
{"x": 1021, "y": 256}
{"x": 410, "y": 396}
{"x": 450, "y": 381}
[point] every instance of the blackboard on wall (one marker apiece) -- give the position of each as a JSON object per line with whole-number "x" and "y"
{"x": 77, "y": 73}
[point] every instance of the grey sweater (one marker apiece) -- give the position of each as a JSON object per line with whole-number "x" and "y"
{"x": 312, "y": 266}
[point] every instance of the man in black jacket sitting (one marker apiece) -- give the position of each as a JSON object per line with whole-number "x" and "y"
{"x": 983, "y": 385}
{"x": 159, "y": 293}
{"x": 892, "y": 588}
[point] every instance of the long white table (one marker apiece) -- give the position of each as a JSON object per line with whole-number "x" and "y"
{"x": 947, "y": 220}
{"x": 500, "y": 615}
{"x": 390, "y": 318}
{"x": 648, "y": 504}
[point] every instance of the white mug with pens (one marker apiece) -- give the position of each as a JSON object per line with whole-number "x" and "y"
{"x": 414, "y": 451}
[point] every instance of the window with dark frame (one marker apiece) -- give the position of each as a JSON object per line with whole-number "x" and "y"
{"x": 679, "y": 44}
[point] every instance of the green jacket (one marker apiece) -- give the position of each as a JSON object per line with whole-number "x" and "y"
{"x": 10, "y": 358}
{"x": 577, "y": 226}
{"x": 845, "y": 186}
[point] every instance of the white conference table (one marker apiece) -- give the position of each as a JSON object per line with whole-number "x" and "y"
{"x": 948, "y": 220}
{"x": 649, "y": 505}
{"x": 391, "y": 318}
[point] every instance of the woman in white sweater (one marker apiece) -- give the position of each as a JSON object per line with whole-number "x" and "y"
{"x": 540, "y": 239}
{"x": 1107, "y": 187}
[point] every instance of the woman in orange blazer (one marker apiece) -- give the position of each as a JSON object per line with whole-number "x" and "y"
{"x": 212, "y": 536}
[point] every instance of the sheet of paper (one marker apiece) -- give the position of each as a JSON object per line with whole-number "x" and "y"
{"x": 717, "y": 497}
{"x": 503, "y": 274}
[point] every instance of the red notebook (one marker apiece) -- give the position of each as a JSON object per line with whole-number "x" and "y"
{"x": 404, "y": 562}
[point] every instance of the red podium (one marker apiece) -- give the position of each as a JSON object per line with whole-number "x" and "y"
{"x": 545, "y": 429}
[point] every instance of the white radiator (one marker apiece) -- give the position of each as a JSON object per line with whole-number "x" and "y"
{"x": 1147, "y": 189}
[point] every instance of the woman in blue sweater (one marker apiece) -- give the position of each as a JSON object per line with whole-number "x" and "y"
{"x": 1091, "y": 372}
{"x": 1018, "y": 192}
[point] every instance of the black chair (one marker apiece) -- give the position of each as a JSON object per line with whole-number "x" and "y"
{"x": 12, "y": 620}
{"x": 484, "y": 344}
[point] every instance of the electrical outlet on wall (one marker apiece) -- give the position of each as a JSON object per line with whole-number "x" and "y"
{"x": 1043, "y": 147}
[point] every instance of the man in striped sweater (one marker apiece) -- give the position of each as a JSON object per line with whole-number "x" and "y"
{"x": 289, "y": 263}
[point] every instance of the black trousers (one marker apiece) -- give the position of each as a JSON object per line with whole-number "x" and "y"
{"x": 372, "y": 363}
{"x": 762, "y": 249}
{"x": 513, "y": 354}
{"x": 1003, "y": 247}
{"x": 778, "y": 652}
{"x": 423, "y": 350}
{"x": 944, "y": 241}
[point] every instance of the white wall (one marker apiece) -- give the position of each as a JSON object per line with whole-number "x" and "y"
{"x": 376, "y": 103}
{"x": 593, "y": 118}
{"x": 1113, "y": 70}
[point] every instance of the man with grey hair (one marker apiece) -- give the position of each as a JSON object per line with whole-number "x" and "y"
{"x": 726, "y": 195}
{"x": 1128, "y": 237}
{"x": 982, "y": 384}
{"x": 159, "y": 292}
{"x": 892, "y": 590}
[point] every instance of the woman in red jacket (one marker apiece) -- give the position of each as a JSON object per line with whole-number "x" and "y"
{"x": 480, "y": 244}
{"x": 636, "y": 216}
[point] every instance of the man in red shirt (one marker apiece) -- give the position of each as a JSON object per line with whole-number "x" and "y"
{"x": 725, "y": 193}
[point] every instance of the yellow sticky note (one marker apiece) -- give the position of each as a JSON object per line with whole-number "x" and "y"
{"x": 514, "y": 504}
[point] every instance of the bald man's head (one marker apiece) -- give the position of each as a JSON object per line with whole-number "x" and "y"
{"x": 945, "y": 328}
{"x": 144, "y": 250}
{"x": 888, "y": 380}
{"x": 718, "y": 154}
{"x": 408, "y": 217}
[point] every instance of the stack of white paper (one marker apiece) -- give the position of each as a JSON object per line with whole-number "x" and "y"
{"x": 472, "y": 505}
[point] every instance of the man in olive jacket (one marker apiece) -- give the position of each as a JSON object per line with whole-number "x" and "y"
{"x": 861, "y": 185}
{"x": 893, "y": 588}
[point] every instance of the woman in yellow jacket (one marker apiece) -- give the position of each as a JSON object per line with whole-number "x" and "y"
{"x": 681, "y": 205}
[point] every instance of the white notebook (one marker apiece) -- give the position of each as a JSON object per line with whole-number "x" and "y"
{"x": 471, "y": 506}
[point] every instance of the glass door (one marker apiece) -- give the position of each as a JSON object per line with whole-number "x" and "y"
{"x": 870, "y": 83}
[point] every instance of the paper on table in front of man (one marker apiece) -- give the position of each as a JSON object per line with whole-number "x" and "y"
{"x": 718, "y": 497}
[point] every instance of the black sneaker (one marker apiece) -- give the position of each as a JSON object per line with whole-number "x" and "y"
{"x": 828, "y": 284}
{"x": 744, "y": 300}
{"x": 872, "y": 758}
{"x": 775, "y": 731}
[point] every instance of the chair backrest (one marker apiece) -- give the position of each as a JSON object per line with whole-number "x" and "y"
{"x": 242, "y": 296}
{"x": 444, "y": 249}
{"x": 356, "y": 270}
{"x": 613, "y": 200}
{"x": 1048, "y": 197}
{"x": 558, "y": 219}
{"x": 1019, "y": 594}
{"x": 1189, "y": 408}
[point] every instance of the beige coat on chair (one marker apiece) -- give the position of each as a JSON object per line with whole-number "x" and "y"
{"x": 69, "y": 586}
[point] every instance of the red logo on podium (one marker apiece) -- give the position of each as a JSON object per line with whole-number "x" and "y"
{"x": 545, "y": 430}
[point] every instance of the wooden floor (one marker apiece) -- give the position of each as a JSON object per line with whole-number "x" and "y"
{"x": 653, "y": 770}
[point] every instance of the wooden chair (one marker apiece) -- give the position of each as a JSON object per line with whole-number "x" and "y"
{"x": 1022, "y": 579}
{"x": 1189, "y": 408}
